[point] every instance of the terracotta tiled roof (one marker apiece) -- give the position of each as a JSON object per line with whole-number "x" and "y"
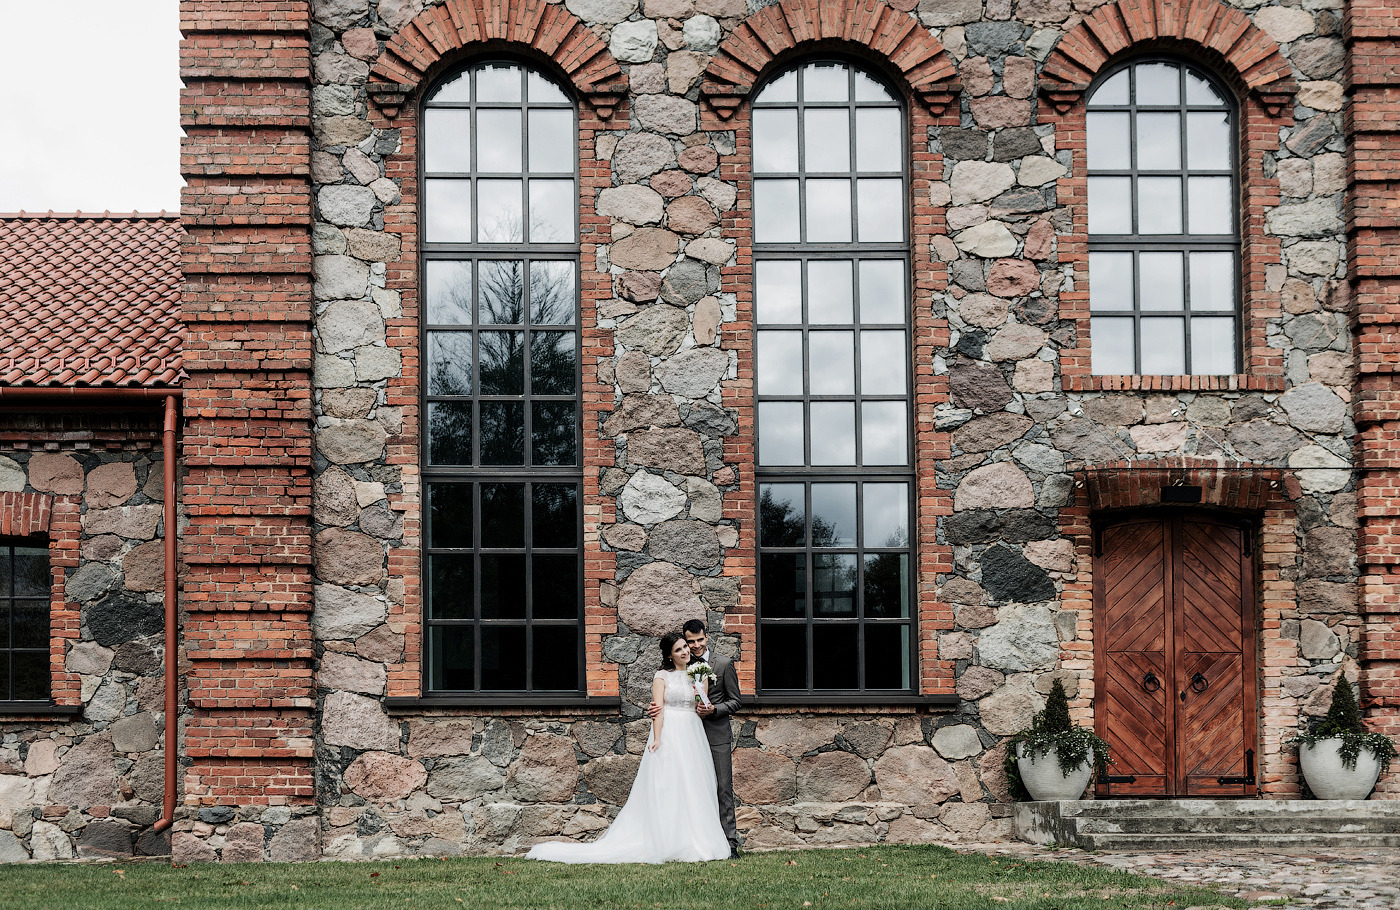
{"x": 90, "y": 300}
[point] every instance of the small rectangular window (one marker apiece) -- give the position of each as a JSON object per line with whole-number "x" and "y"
{"x": 25, "y": 590}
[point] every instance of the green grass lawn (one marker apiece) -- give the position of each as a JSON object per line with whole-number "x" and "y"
{"x": 914, "y": 877}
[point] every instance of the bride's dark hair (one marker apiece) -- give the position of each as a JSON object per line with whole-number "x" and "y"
{"x": 668, "y": 641}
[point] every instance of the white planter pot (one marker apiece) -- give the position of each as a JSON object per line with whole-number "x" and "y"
{"x": 1045, "y": 780}
{"x": 1322, "y": 767}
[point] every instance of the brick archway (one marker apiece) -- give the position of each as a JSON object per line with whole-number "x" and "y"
{"x": 546, "y": 28}
{"x": 775, "y": 31}
{"x": 1209, "y": 25}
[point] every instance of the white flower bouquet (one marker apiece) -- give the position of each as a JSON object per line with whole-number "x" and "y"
{"x": 700, "y": 674}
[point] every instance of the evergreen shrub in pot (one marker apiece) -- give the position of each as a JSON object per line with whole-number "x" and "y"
{"x": 1338, "y": 757}
{"x": 1053, "y": 759}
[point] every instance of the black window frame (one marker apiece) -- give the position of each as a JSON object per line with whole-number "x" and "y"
{"x": 8, "y": 649}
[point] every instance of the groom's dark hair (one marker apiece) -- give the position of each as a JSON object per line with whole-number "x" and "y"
{"x": 693, "y": 626}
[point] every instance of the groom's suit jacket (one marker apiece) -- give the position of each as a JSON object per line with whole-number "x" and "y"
{"x": 725, "y": 696}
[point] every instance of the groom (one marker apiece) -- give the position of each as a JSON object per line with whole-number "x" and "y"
{"x": 725, "y": 699}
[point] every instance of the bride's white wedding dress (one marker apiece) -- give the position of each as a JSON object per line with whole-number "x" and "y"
{"x": 671, "y": 813}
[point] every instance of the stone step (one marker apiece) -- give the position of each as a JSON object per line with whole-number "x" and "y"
{"x": 1165, "y": 843}
{"x": 1282, "y": 808}
{"x": 1357, "y": 823}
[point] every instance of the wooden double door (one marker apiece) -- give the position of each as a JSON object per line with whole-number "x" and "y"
{"x": 1175, "y": 690}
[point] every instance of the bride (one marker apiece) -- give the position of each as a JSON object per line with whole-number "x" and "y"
{"x": 671, "y": 813}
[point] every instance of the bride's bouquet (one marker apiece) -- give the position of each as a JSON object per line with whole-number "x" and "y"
{"x": 700, "y": 675}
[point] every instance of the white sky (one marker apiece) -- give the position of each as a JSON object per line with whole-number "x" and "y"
{"x": 92, "y": 120}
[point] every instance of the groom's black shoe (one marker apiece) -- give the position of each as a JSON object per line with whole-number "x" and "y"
{"x": 733, "y": 852}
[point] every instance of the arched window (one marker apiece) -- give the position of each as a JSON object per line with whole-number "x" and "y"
{"x": 831, "y": 307}
{"x": 1164, "y": 237}
{"x": 503, "y": 567}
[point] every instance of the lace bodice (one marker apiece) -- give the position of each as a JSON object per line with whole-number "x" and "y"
{"x": 679, "y": 691}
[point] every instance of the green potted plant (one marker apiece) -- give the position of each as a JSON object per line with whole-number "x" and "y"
{"x": 1052, "y": 759}
{"x": 1339, "y": 758}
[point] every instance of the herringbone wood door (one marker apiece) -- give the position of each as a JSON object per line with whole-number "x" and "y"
{"x": 1174, "y": 644}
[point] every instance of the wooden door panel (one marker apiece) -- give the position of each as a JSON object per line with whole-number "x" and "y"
{"x": 1212, "y": 733}
{"x": 1137, "y": 733}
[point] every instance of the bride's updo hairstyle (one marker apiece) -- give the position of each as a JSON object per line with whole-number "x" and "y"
{"x": 668, "y": 641}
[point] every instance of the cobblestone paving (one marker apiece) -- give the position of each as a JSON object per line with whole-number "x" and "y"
{"x": 1350, "y": 879}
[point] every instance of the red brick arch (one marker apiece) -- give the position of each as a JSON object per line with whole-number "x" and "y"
{"x": 775, "y": 31}
{"x": 547, "y": 28}
{"x": 1209, "y": 25}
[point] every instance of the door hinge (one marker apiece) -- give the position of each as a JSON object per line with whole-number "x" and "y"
{"x": 1248, "y": 771}
{"x": 1120, "y": 778}
{"x": 1247, "y": 539}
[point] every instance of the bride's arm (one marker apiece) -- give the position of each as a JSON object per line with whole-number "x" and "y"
{"x": 658, "y": 697}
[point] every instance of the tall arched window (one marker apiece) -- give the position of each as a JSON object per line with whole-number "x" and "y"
{"x": 502, "y": 586}
{"x": 831, "y": 305}
{"x": 1164, "y": 238}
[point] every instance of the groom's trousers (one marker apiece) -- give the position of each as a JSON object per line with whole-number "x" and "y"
{"x": 724, "y": 786}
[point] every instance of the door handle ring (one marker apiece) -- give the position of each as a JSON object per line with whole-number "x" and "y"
{"x": 1150, "y": 682}
{"x": 1199, "y": 683}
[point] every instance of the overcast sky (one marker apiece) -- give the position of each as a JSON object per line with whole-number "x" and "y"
{"x": 93, "y": 119}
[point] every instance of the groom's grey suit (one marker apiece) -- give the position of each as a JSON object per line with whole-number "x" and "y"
{"x": 725, "y": 696}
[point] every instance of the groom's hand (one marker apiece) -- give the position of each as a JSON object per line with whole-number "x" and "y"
{"x": 653, "y": 709}
{"x": 704, "y": 710}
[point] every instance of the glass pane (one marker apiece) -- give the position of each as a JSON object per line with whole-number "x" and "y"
{"x": 552, "y": 365}
{"x": 887, "y": 585}
{"x": 887, "y": 656}
{"x": 1110, "y": 281}
{"x": 782, "y": 656}
{"x": 878, "y": 139}
{"x": 32, "y": 576}
{"x": 834, "y": 584}
{"x": 502, "y": 585}
{"x": 1201, "y": 92}
{"x": 553, "y": 211}
{"x": 552, "y": 141}
{"x": 450, "y": 515}
{"x": 556, "y": 657}
{"x": 1213, "y": 346}
{"x": 1109, "y": 146}
{"x": 31, "y": 676}
{"x": 447, "y": 140}
{"x": 451, "y": 664}
{"x": 780, "y": 433}
{"x": 778, "y": 292}
{"x": 449, "y": 363}
{"x": 1157, "y": 83}
{"x": 502, "y": 292}
{"x": 1114, "y": 91}
{"x": 882, "y": 293}
{"x": 1212, "y": 281}
{"x": 1208, "y": 140}
{"x": 31, "y": 624}
{"x": 885, "y": 512}
{"x": 449, "y": 292}
{"x": 775, "y": 211}
{"x": 498, "y": 82}
{"x": 881, "y": 363}
{"x": 825, "y": 82}
{"x": 833, "y": 432}
{"x": 553, "y": 430}
{"x": 450, "y": 587}
{"x": 1166, "y": 355}
{"x": 828, "y": 211}
{"x": 774, "y": 141}
{"x": 555, "y": 590}
{"x": 498, "y": 141}
{"x": 503, "y": 657}
{"x": 833, "y": 514}
{"x": 540, "y": 90}
{"x": 500, "y": 211}
{"x": 879, "y": 210}
{"x": 826, "y": 138}
{"x": 780, "y": 363}
{"x": 5, "y": 690}
{"x": 1211, "y": 205}
{"x": 867, "y": 89}
{"x": 1112, "y": 346}
{"x": 459, "y": 89}
{"x": 552, "y": 294}
{"x": 782, "y": 516}
{"x": 783, "y": 581}
{"x": 449, "y": 205}
{"x": 554, "y": 515}
{"x": 830, "y": 292}
{"x": 1163, "y": 281}
{"x": 502, "y": 363}
{"x": 884, "y": 428}
{"x": 502, "y": 432}
{"x": 784, "y": 88}
{"x": 833, "y": 354}
{"x": 449, "y": 432}
{"x": 835, "y": 664}
{"x": 503, "y": 515}
{"x": 1159, "y": 205}
{"x": 1159, "y": 141}
{"x": 1110, "y": 205}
